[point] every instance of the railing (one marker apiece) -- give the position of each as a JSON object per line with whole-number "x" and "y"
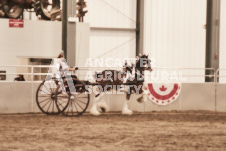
{"x": 191, "y": 75}
{"x": 221, "y": 76}
{"x": 27, "y": 70}
{"x": 39, "y": 72}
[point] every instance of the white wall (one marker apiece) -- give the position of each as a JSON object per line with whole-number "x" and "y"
{"x": 192, "y": 97}
{"x": 114, "y": 44}
{"x": 114, "y": 14}
{"x": 174, "y": 34}
{"x": 222, "y": 40}
{"x": 111, "y": 13}
{"x": 36, "y": 39}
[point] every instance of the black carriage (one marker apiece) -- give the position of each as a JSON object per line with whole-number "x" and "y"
{"x": 54, "y": 97}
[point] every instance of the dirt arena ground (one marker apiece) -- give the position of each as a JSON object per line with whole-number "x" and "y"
{"x": 113, "y": 132}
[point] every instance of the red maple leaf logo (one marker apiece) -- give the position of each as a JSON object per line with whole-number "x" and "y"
{"x": 163, "y": 88}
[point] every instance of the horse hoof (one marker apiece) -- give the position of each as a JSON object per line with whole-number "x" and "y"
{"x": 128, "y": 112}
{"x": 103, "y": 109}
{"x": 96, "y": 113}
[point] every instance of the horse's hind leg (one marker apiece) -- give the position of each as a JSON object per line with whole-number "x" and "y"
{"x": 125, "y": 108}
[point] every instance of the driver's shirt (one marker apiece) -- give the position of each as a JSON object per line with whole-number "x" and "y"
{"x": 62, "y": 67}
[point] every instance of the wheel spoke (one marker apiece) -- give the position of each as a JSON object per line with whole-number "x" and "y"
{"x": 43, "y": 96}
{"x": 44, "y": 100}
{"x": 62, "y": 100}
{"x": 53, "y": 107}
{"x": 76, "y": 108}
{"x": 83, "y": 97}
{"x": 80, "y": 101}
{"x": 46, "y": 88}
{"x": 79, "y": 105}
{"x": 63, "y": 97}
{"x": 45, "y": 104}
{"x": 44, "y": 91}
{"x": 49, "y": 105}
{"x": 61, "y": 105}
{"x": 72, "y": 107}
{"x": 68, "y": 108}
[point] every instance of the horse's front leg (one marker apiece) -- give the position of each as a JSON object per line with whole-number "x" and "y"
{"x": 125, "y": 109}
{"x": 93, "y": 109}
{"x": 145, "y": 94}
{"x": 102, "y": 104}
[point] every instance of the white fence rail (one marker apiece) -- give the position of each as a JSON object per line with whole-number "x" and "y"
{"x": 184, "y": 75}
{"x": 221, "y": 76}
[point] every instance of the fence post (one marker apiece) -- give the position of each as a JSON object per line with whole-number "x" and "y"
{"x": 216, "y": 81}
{"x": 32, "y": 89}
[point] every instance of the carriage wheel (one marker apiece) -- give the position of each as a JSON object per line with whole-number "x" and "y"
{"x": 72, "y": 104}
{"x": 45, "y": 97}
{"x": 44, "y": 8}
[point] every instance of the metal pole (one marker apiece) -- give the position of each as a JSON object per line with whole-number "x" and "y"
{"x": 212, "y": 36}
{"x": 64, "y": 27}
{"x": 140, "y": 27}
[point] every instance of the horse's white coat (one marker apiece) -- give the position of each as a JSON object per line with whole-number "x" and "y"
{"x": 145, "y": 92}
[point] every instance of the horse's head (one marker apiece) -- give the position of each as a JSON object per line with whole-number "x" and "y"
{"x": 143, "y": 63}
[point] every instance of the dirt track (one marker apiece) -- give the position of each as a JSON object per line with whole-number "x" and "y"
{"x": 152, "y": 131}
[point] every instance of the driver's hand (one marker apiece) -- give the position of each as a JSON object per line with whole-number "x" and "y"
{"x": 76, "y": 68}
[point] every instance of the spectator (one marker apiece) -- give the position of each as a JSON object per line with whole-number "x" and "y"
{"x": 19, "y": 77}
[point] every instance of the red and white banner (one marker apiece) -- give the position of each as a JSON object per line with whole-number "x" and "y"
{"x": 163, "y": 93}
{"x": 16, "y": 23}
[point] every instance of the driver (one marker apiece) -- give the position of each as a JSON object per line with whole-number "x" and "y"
{"x": 64, "y": 73}
{"x": 62, "y": 66}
